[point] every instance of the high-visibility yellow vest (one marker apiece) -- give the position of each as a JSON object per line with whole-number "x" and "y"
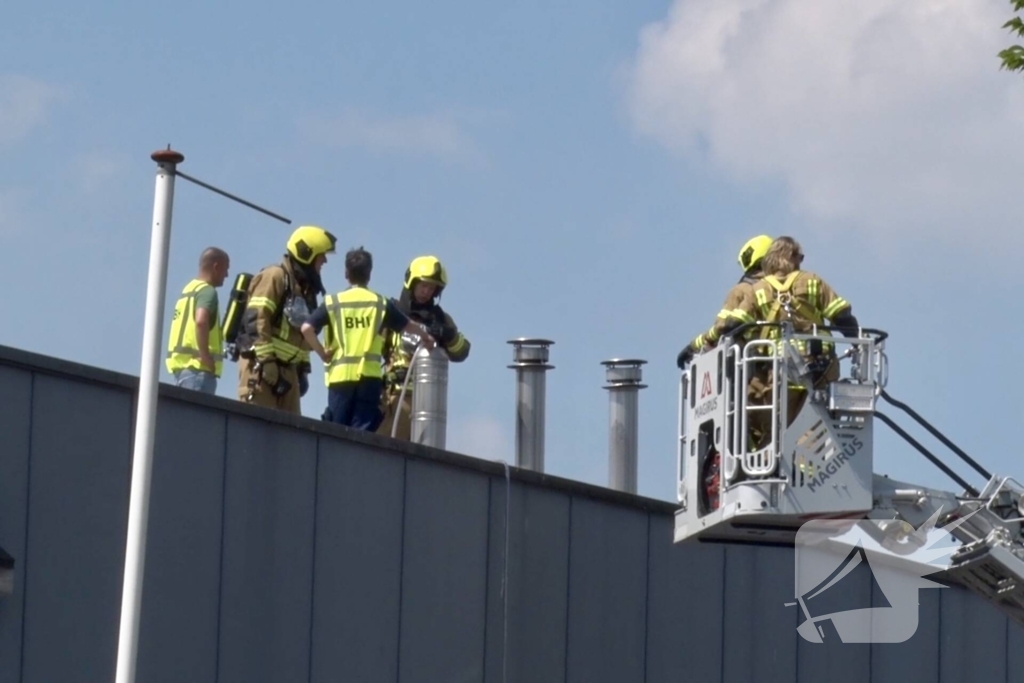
{"x": 355, "y": 334}
{"x": 182, "y": 344}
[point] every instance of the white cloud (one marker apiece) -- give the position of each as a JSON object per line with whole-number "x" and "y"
{"x": 24, "y": 104}
{"x": 440, "y": 135}
{"x": 481, "y": 436}
{"x": 876, "y": 115}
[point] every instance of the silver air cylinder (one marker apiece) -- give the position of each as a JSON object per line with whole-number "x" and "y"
{"x": 429, "y": 397}
{"x": 530, "y": 361}
{"x": 623, "y": 377}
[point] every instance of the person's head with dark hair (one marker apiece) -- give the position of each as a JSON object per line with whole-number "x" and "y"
{"x": 358, "y": 266}
{"x": 214, "y": 265}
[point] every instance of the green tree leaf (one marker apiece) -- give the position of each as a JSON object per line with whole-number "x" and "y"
{"x": 1013, "y": 57}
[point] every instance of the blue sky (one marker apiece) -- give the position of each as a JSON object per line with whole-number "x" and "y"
{"x": 586, "y": 171}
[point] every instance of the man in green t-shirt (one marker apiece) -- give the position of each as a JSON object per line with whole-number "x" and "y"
{"x": 195, "y": 349}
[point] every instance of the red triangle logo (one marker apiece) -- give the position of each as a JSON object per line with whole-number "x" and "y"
{"x": 705, "y": 388}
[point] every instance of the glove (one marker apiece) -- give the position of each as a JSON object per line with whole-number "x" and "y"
{"x": 684, "y": 357}
{"x": 436, "y": 330}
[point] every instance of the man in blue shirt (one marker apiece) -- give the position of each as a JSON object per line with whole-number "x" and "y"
{"x": 355, "y": 321}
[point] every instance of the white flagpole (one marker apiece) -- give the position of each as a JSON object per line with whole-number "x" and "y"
{"x": 145, "y": 417}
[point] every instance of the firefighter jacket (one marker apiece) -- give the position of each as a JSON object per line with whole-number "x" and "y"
{"x": 266, "y": 331}
{"x": 442, "y": 326}
{"x": 733, "y": 313}
{"x": 802, "y": 298}
{"x": 355, "y": 334}
{"x": 183, "y": 343}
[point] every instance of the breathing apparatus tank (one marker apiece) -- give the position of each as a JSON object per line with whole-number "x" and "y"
{"x": 237, "y": 301}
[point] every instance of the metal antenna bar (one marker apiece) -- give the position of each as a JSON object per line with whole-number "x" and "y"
{"x": 231, "y": 196}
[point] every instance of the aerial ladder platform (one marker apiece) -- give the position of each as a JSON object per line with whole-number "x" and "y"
{"x": 750, "y": 472}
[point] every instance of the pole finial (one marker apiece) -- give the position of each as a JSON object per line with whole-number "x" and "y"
{"x": 167, "y": 156}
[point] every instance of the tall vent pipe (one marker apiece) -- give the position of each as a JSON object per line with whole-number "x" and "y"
{"x": 624, "y": 384}
{"x": 530, "y": 361}
{"x": 430, "y": 397}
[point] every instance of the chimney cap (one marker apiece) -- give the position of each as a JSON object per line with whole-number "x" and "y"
{"x": 615, "y": 362}
{"x": 531, "y": 341}
{"x": 624, "y": 373}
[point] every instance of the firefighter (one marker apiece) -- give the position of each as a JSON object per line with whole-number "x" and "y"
{"x": 357, "y": 320}
{"x": 425, "y": 280}
{"x": 805, "y": 299}
{"x": 750, "y": 259}
{"x": 195, "y": 348}
{"x": 273, "y": 368}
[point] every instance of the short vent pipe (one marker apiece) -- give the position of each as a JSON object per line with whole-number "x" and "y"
{"x": 530, "y": 361}
{"x": 624, "y": 377}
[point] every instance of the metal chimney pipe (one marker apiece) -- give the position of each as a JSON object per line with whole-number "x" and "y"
{"x": 624, "y": 385}
{"x": 530, "y": 361}
{"x": 429, "y": 397}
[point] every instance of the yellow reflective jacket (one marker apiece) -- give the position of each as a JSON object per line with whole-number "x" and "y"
{"x": 354, "y": 334}
{"x": 183, "y": 342}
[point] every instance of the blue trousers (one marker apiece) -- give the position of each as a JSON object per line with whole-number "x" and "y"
{"x": 356, "y": 404}
{"x": 197, "y": 380}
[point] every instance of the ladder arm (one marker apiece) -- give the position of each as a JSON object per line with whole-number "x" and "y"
{"x": 990, "y": 559}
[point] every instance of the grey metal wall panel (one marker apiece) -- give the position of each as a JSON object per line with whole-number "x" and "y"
{"x": 15, "y": 425}
{"x": 915, "y": 660}
{"x": 759, "y": 628}
{"x": 267, "y": 578}
{"x": 357, "y": 574}
{"x": 1014, "y": 653}
{"x": 78, "y": 517}
{"x": 684, "y": 608}
{"x": 607, "y": 593}
{"x": 181, "y": 591}
{"x": 444, "y": 574}
{"x": 535, "y": 578}
{"x": 972, "y": 639}
{"x": 833, "y": 660}
{"x": 413, "y": 566}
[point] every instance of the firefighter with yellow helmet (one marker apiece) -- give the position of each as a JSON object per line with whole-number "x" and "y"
{"x": 273, "y": 369}
{"x": 733, "y": 311}
{"x": 425, "y": 280}
{"x": 805, "y": 300}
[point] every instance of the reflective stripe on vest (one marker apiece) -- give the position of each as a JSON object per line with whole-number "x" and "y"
{"x": 183, "y": 344}
{"x": 356, "y": 334}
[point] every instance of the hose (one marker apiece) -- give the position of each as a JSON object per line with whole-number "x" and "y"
{"x": 401, "y": 395}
